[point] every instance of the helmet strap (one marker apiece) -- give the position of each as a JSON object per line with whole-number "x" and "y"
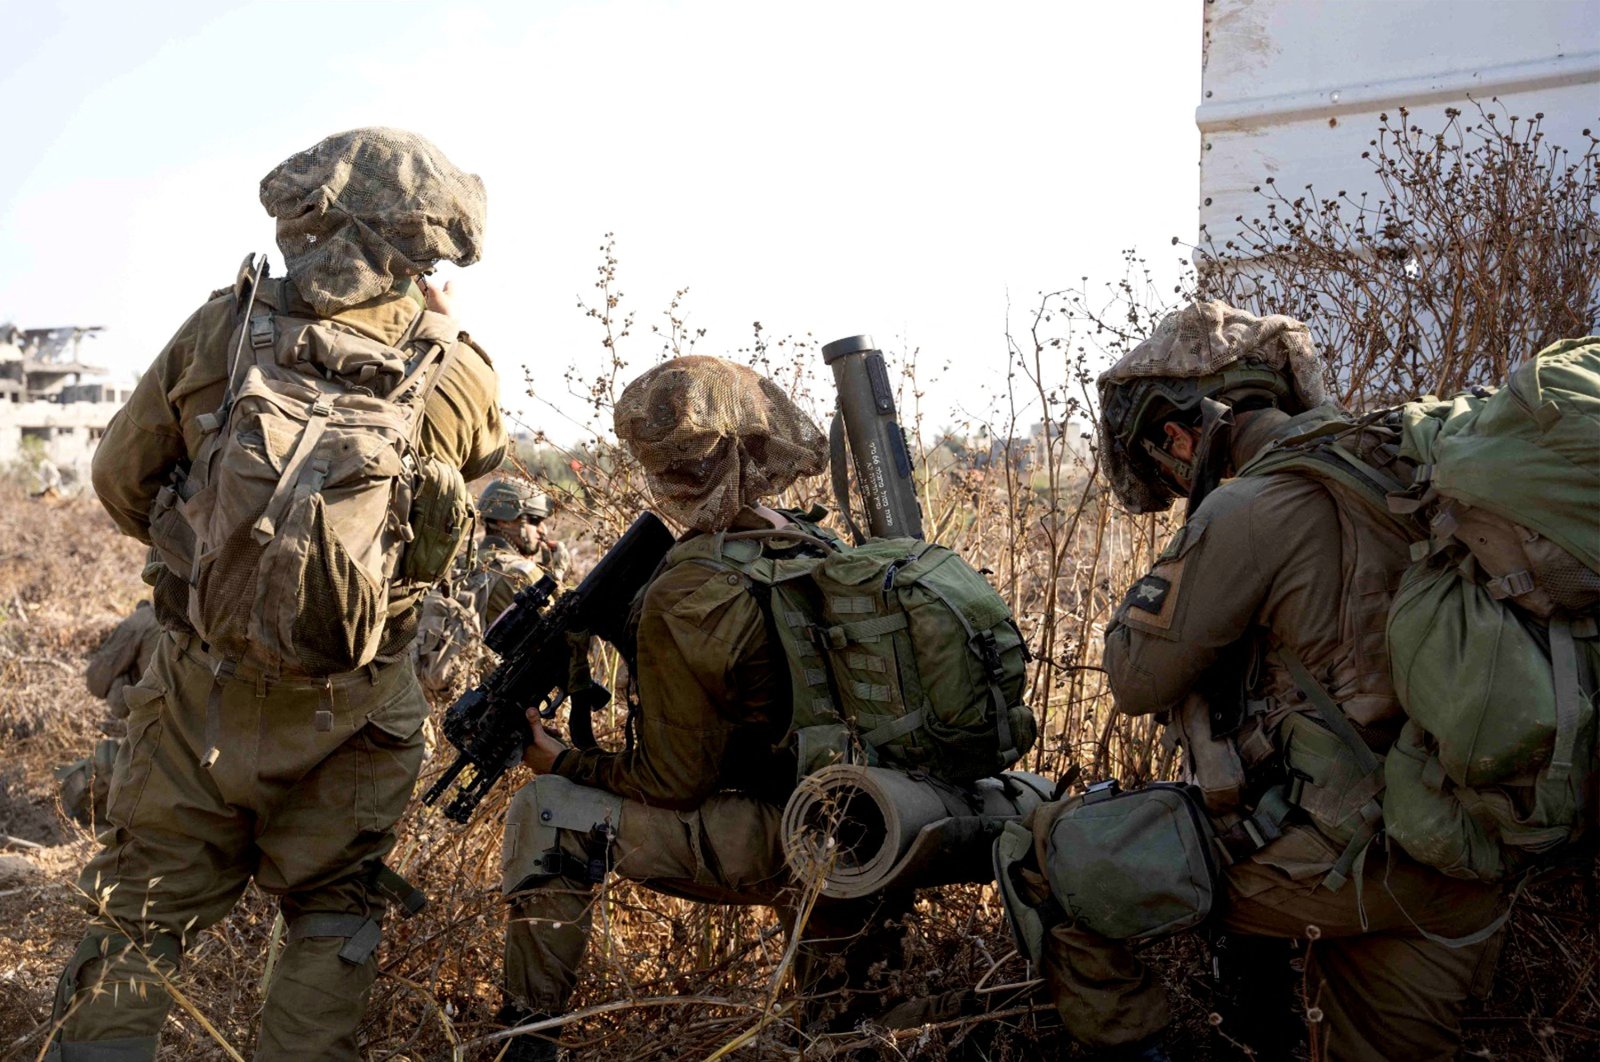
{"x": 1212, "y": 452}
{"x": 1183, "y": 470}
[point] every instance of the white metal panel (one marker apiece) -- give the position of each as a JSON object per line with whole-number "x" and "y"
{"x": 1292, "y": 89}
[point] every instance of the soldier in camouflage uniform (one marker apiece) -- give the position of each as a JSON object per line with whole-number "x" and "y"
{"x": 1269, "y": 572}
{"x": 514, "y": 553}
{"x": 225, "y": 777}
{"x": 692, "y": 807}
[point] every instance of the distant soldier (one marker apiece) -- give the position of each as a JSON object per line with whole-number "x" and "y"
{"x": 514, "y": 551}
{"x": 117, "y": 664}
{"x": 513, "y": 555}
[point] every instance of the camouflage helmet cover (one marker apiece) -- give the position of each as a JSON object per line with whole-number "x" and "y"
{"x": 364, "y": 207}
{"x": 713, "y": 437}
{"x": 512, "y": 499}
{"x": 1205, "y": 350}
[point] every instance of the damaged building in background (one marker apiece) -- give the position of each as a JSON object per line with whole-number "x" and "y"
{"x": 52, "y": 406}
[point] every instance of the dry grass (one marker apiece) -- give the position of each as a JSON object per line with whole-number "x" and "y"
{"x": 669, "y": 979}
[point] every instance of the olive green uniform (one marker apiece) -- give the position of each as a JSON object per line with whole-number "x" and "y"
{"x": 694, "y": 805}
{"x": 306, "y": 812}
{"x": 506, "y": 572}
{"x": 1276, "y": 557}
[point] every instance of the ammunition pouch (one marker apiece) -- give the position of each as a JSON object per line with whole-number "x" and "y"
{"x": 540, "y": 812}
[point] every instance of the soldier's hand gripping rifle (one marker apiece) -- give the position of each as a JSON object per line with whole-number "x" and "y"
{"x": 538, "y": 648}
{"x": 877, "y": 442}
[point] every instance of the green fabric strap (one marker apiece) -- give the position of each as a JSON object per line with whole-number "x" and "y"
{"x": 844, "y": 634}
{"x": 363, "y": 933}
{"x": 1569, "y": 696}
{"x": 1477, "y": 936}
{"x": 1328, "y": 709}
{"x": 881, "y": 735}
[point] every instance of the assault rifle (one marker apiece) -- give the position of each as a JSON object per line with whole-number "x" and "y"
{"x": 544, "y": 662}
{"x": 866, "y": 415}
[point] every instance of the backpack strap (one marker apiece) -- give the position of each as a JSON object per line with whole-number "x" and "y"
{"x": 1334, "y": 718}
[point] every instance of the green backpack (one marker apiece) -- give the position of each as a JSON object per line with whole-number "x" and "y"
{"x": 899, "y": 653}
{"x": 1492, "y": 632}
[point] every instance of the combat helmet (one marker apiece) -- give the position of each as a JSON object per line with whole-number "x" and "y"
{"x": 511, "y": 499}
{"x": 1201, "y": 362}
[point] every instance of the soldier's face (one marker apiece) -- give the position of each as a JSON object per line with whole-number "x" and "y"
{"x": 525, "y": 534}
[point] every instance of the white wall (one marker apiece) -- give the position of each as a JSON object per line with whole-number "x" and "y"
{"x": 1293, "y": 88}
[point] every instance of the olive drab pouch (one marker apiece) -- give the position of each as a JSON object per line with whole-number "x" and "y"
{"x": 900, "y": 654}
{"x": 1130, "y": 865}
{"x": 302, "y": 493}
{"x": 441, "y": 520}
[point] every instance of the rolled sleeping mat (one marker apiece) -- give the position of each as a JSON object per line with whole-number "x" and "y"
{"x": 866, "y": 829}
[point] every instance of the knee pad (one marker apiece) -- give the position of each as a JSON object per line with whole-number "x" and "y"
{"x": 539, "y": 813}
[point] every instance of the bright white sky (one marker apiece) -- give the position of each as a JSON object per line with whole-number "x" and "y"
{"x": 899, "y": 169}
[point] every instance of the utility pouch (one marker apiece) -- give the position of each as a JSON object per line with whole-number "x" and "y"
{"x": 170, "y": 534}
{"x": 1132, "y": 865}
{"x": 440, "y": 519}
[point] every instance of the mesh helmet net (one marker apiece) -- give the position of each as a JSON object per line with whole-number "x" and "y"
{"x": 364, "y": 207}
{"x": 713, "y": 437}
{"x": 1204, "y": 339}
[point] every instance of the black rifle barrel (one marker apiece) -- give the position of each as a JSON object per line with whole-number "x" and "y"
{"x": 877, "y": 442}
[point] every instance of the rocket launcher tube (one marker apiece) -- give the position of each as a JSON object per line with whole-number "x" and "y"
{"x": 866, "y": 416}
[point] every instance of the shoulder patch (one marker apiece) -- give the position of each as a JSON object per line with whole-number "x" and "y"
{"x": 1148, "y": 594}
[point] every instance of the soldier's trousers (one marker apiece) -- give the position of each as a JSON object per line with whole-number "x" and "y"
{"x": 727, "y": 851}
{"x": 1380, "y": 989}
{"x": 307, "y": 813}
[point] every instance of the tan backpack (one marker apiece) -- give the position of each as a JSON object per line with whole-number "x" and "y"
{"x": 301, "y": 500}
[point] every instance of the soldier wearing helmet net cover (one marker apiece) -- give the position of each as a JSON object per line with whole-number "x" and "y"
{"x": 269, "y": 455}
{"x": 692, "y": 805}
{"x": 1269, "y": 572}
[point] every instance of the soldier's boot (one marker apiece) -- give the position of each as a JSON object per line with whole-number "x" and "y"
{"x": 528, "y": 1047}
{"x": 848, "y": 951}
{"x": 112, "y": 999}
{"x": 319, "y": 987}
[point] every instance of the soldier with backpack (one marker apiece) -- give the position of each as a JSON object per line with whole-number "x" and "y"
{"x": 1260, "y": 633}
{"x": 692, "y": 805}
{"x": 296, "y": 455}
